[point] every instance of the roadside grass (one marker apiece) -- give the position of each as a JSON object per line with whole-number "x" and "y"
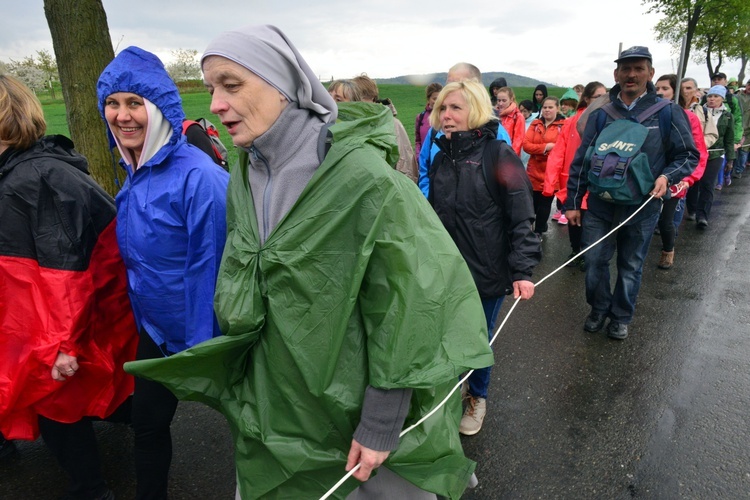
{"x": 408, "y": 99}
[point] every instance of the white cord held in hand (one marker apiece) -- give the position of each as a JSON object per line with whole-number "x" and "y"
{"x": 494, "y": 336}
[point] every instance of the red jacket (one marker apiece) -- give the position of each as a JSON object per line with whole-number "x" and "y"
{"x": 559, "y": 159}
{"x": 515, "y": 124}
{"x": 534, "y": 143}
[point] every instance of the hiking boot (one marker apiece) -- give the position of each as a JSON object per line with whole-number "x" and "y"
{"x": 594, "y": 322}
{"x": 666, "y": 260}
{"x": 471, "y": 422}
{"x": 702, "y": 223}
{"x": 617, "y": 330}
{"x": 562, "y": 220}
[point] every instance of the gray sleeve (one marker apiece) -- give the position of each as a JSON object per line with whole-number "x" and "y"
{"x": 383, "y": 415}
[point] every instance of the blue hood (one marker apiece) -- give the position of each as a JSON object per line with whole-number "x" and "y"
{"x": 140, "y": 72}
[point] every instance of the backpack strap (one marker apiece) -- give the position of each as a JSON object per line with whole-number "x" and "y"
{"x": 490, "y": 158}
{"x": 652, "y": 110}
{"x": 186, "y": 124}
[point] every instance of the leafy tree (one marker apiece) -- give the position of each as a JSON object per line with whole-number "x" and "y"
{"x": 710, "y": 26}
{"x": 185, "y": 65}
{"x": 47, "y": 64}
{"x": 680, "y": 19}
{"x": 83, "y": 47}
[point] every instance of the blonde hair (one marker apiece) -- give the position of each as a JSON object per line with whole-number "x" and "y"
{"x": 477, "y": 99}
{"x": 21, "y": 117}
{"x": 347, "y": 88}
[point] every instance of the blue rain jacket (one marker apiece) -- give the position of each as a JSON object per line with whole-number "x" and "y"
{"x": 171, "y": 215}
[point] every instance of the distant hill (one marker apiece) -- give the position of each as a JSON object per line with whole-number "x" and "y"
{"x": 487, "y": 78}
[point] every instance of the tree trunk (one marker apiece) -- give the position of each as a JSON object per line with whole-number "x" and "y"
{"x": 741, "y": 74}
{"x": 83, "y": 47}
{"x": 693, "y": 17}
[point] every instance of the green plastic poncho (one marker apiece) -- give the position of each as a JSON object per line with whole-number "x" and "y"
{"x": 358, "y": 284}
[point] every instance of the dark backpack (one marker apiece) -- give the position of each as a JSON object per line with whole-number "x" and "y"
{"x": 619, "y": 171}
{"x": 220, "y": 151}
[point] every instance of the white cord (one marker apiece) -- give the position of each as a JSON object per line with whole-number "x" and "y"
{"x": 492, "y": 340}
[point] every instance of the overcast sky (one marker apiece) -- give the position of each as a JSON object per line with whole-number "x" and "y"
{"x": 562, "y": 43}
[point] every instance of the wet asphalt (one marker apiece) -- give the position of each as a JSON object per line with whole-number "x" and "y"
{"x": 571, "y": 415}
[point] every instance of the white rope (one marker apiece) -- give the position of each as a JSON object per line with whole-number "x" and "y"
{"x": 492, "y": 340}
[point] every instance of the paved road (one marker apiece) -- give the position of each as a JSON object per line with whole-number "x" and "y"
{"x": 663, "y": 414}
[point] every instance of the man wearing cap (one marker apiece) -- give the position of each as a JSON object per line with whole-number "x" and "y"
{"x": 670, "y": 160}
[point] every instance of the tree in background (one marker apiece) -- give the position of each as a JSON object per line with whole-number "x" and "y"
{"x": 681, "y": 18}
{"x": 185, "y": 65}
{"x": 28, "y": 72}
{"x": 46, "y": 62}
{"x": 709, "y": 26}
{"x": 83, "y": 47}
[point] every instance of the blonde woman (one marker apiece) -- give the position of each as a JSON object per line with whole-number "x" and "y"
{"x": 487, "y": 209}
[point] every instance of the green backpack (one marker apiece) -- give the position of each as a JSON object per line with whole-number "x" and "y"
{"x": 619, "y": 170}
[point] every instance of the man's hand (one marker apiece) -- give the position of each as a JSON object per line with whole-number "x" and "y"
{"x": 574, "y": 217}
{"x": 65, "y": 366}
{"x": 660, "y": 188}
{"x": 370, "y": 460}
{"x": 523, "y": 289}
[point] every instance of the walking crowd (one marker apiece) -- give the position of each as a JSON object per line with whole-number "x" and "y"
{"x": 332, "y": 288}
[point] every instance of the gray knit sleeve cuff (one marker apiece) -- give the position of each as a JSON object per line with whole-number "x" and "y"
{"x": 383, "y": 415}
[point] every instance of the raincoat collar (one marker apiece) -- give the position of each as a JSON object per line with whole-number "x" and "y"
{"x": 277, "y": 144}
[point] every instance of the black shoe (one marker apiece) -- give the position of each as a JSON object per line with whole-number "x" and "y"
{"x": 702, "y": 223}
{"x": 594, "y": 322}
{"x": 575, "y": 262}
{"x": 7, "y": 448}
{"x": 107, "y": 495}
{"x": 737, "y": 175}
{"x": 617, "y": 330}
{"x": 690, "y": 216}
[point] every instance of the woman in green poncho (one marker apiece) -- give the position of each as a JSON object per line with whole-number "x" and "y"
{"x": 347, "y": 310}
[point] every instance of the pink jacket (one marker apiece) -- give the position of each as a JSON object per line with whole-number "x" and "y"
{"x": 700, "y": 143}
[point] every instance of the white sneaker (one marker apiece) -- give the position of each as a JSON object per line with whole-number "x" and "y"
{"x": 471, "y": 422}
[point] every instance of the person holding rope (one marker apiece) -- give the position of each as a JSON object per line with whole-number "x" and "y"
{"x": 671, "y": 155}
{"x": 347, "y": 310}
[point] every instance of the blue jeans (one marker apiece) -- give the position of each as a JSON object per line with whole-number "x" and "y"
{"x": 631, "y": 242}
{"x": 739, "y": 163}
{"x": 480, "y": 379}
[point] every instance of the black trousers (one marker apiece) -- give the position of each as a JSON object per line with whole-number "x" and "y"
{"x": 154, "y": 407}
{"x": 700, "y": 197}
{"x": 74, "y": 447}
{"x": 542, "y": 208}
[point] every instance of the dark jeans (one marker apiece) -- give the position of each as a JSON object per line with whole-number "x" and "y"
{"x": 575, "y": 235}
{"x": 74, "y": 447}
{"x": 542, "y": 209}
{"x": 701, "y": 194}
{"x": 479, "y": 381}
{"x": 631, "y": 242}
{"x": 154, "y": 407}
{"x": 667, "y": 225}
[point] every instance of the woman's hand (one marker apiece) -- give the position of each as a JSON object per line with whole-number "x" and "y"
{"x": 369, "y": 460}
{"x": 523, "y": 289}
{"x": 65, "y": 366}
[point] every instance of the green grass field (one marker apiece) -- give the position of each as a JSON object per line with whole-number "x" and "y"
{"x": 408, "y": 99}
